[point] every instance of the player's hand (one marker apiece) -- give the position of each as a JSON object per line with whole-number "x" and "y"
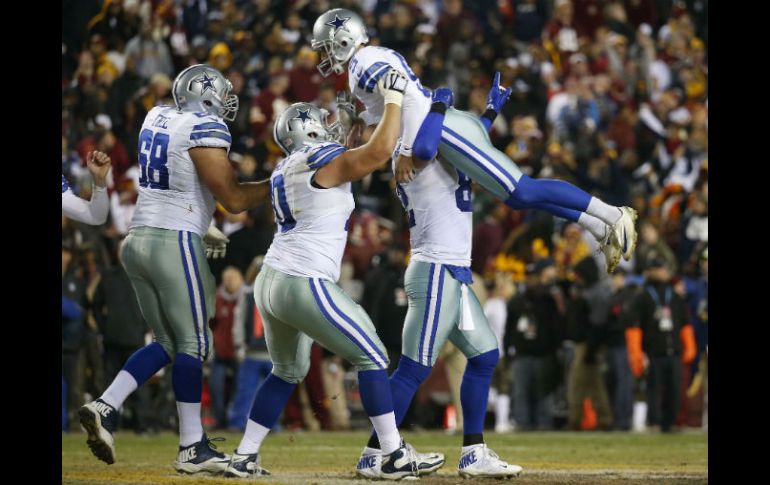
{"x": 443, "y": 95}
{"x": 392, "y": 86}
{"x": 496, "y": 97}
{"x": 215, "y": 243}
{"x": 353, "y": 139}
{"x": 404, "y": 169}
{"x": 99, "y": 165}
{"x": 346, "y": 110}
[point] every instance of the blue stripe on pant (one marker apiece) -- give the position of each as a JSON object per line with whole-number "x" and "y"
{"x": 190, "y": 290}
{"x": 360, "y": 336}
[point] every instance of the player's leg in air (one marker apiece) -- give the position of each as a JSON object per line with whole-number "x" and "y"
{"x": 461, "y": 136}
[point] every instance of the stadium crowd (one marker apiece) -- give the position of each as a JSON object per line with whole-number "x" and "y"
{"x": 610, "y": 95}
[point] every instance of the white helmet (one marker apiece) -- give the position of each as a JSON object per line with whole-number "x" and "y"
{"x": 338, "y": 32}
{"x": 203, "y": 88}
{"x": 304, "y": 123}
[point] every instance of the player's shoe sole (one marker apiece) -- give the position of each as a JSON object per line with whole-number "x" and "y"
{"x": 100, "y": 441}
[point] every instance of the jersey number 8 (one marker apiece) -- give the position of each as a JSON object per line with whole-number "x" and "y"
{"x": 153, "y": 148}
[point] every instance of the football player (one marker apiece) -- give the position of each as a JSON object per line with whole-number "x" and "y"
{"x": 295, "y": 292}
{"x": 184, "y": 169}
{"x": 340, "y": 35}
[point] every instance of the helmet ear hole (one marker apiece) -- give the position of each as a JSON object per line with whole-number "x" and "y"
{"x": 207, "y": 103}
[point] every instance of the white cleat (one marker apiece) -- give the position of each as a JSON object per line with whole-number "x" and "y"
{"x": 624, "y": 232}
{"x": 370, "y": 462}
{"x": 612, "y": 252}
{"x": 201, "y": 457}
{"x": 480, "y": 461}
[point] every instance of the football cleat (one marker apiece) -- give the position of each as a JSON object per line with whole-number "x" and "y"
{"x": 244, "y": 466}
{"x": 611, "y": 251}
{"x": 370, "y": 462}
{"x": 480, "y": 461}
{"x": 624, "y": 232}
{"x": 402, "y": 463}
{"x": 99, "y": 419}
{"x": 201, "y": 458}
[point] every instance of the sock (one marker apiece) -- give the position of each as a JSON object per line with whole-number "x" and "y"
{"x": 187, "y": 381}
{"x": 473, "y": 439}
{"x": 378, "y": 403}
{"x": 142, "y": 365}
{"x": 594, "y": 225}
{"x": 474, "y": 391}
{"x": 608, "y": 213}
{"x": 531, "y": 191}
{"x": 252, "y": 438}
{"x": 403, "y": 385}
{"x": 387, "y": 432}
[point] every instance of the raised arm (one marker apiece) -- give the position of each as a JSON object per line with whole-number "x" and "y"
{"x": 359, "y": 162}
{"x": 95, "y": 211}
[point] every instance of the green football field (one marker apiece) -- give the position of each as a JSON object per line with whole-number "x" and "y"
{"x": 329, "y": 458}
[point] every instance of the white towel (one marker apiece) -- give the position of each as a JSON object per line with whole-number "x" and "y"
{"x": 466, "y": 317}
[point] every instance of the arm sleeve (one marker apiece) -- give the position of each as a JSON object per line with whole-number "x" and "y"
{"x": 92, "y": 212}
{"x": 428, "y": 137}
{"x": 208, "y": 133}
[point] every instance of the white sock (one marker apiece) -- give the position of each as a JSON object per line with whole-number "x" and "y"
{"x": 371, "y": 451}
{"x": 608, "y": 213}
{"x": 190, "y": 427}
{"x": 387, "y": 432}
{"x": 123, "y": 385}
{"x": 594, "y": 225}
{"x": 252, "y": 438}
{"x": 502, "y": 409}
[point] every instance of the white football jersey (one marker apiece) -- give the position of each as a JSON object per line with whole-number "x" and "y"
{"x": 439, "y": 206}
{"x": 365, "y": 68}
{"x": 312, "y": 222}
{"x": 171, "y": 196}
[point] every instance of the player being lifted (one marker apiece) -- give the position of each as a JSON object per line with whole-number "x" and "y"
{"x": 295, "y": 292}
{"x": 340, "y": 35}
{"x": 184, "y": 167}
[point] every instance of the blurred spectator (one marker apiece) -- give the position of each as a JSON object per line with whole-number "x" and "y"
{"x": 488, "y": 237}
{"x": 123, "y": 330}
{"x": 651, "y": 247}
{"x": 496, "y": 311}
{"x": 153, "y": 55}
{"x": 660, "y": 328}
{"x": 304, "y": 78}
{"x": 115, "y": 24}
{"x": 588, "y": 311}
{"x": 385, "y": 299}
{"x": 532, "y": 328}
{"x": 268, "y": 104}
{"x": 570, "y": 249}
{"x": 254, "y": 363}
{"x": 224, "y": 367}
{"x": 73, "y": 328}
{"x": 620, "y": 380}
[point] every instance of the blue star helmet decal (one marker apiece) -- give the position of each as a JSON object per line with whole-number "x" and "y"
{"x": 303, "y": 115}
{"x": 207, "y": 82}
{"x": 337, "y": 23}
